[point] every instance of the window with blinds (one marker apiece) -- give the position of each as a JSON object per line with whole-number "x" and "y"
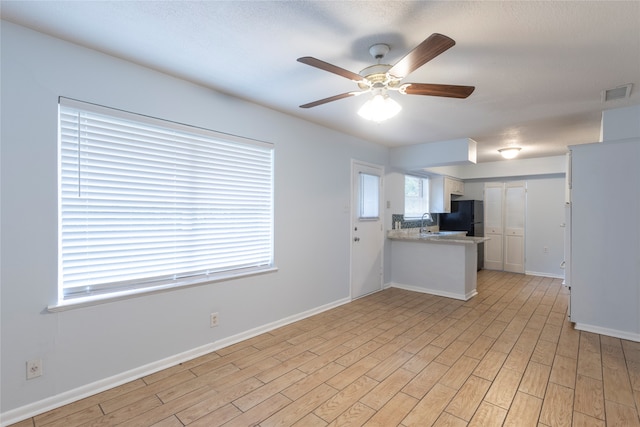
{"x": 416, "y": 196}
{"x": 369, "y": 196}
{"x": 147, "y": 204}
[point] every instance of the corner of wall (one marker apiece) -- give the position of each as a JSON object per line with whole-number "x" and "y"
{"x": 620, "y": 123}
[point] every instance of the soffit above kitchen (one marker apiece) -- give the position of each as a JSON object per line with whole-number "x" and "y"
{"x": 539, "y": 68}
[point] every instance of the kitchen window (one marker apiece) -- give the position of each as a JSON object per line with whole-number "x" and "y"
{"x": 416, "y": 196}
{"x": 147, "y": 204}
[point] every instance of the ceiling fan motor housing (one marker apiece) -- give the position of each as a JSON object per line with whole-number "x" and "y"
{"x": 378, "y": 51}
{"x": 376, "y": 75}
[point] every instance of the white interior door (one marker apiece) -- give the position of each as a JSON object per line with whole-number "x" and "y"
{"x": 493, "y": 225}
{"x": 367, "y": 236}
{"x": 514, "y": 216}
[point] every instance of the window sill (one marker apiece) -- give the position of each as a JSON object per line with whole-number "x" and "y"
{"x": 81, "y": 302}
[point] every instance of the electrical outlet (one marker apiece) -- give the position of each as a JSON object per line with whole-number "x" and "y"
{"x": 34, "y": 368}
{"x": 213, "y": 320}
{"x": 546, "y": 249}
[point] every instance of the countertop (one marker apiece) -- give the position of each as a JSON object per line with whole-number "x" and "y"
{"x": 413, "y": 234}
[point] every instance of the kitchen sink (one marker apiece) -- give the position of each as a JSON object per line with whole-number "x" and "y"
{"x": 442, "y": 233}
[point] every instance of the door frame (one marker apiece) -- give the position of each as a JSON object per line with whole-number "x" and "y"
{"x": 352, "y": 216}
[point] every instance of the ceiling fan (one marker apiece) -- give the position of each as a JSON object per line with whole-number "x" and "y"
{"x": 381, "y": 78}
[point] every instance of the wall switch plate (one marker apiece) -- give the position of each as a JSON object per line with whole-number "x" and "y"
{"x": 213, "y": 320}
{"x": 34, "y": 368}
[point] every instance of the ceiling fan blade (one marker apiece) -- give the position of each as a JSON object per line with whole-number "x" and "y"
{"x": 331, "y": 68}
{"x": 449, "y": 91}
{"x": 331, "y": 99}
{"x": 431, "y": 47}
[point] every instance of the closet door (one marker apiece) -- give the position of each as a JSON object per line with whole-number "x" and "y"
{"x": 514, "y": 215}
{"x": 493, "y": 225}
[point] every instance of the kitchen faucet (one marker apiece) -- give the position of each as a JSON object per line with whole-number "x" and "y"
{"x": 422, "y": 228}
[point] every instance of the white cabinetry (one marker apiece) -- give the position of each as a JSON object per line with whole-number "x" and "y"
{"x": 440, "y": 190}
{"x": 454, "y": 186}
{"x": 493, "y": 195}
{"x": 504, "y": 218}
{"x": 514, "y": 213}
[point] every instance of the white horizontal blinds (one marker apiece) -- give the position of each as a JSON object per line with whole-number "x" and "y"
{"x": 369, "y": 196}
{"x": 147, "y": 203}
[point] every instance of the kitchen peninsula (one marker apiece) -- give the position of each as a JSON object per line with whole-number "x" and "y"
{"x": 442, "y": 263}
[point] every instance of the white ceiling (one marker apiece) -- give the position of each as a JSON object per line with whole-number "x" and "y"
{"x": 539, "y": 67}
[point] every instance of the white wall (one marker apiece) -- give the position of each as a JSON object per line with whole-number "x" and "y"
{"x": 605, "y": 234}
{"x": 418, "y": 156}
{"x": 505, "y": 169}
{"x": 545, "y": 214}
{"x": 605, "y": 238}
{"x": 83, "y": 346}
{"x": 621, "y": 123}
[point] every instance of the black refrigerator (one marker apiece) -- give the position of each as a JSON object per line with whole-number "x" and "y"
{"x": 466, "y": 215}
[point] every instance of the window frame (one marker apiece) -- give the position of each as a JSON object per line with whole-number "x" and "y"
{"x": 424, "y": 198}
{"x": 124, "y": 289}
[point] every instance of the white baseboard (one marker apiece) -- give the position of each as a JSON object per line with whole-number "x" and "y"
{"x": 463, "y": 297}
{"x": 606, "y": 331}
{"x": 279, "y": 323}
{"x": 44, "y": 405}
{"x": 538, "y": 273}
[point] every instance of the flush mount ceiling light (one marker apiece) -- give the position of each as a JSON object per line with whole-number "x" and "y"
{"x": 509, "y": 152}
{"x": 379, "y": 108}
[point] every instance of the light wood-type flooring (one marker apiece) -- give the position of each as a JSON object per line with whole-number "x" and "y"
{"x": 507, "y": 357}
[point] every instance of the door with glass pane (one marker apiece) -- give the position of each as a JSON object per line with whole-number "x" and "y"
{"x": 367, "y": 235}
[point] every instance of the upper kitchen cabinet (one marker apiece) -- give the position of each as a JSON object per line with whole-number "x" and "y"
{"x": 453, "y": 186}
{"x": 441, "y": 190}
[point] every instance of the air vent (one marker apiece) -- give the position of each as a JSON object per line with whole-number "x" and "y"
{"x": 619, "y": 92}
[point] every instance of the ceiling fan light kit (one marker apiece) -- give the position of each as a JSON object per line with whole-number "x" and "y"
{"x": 381, "y": 78}
{"x": 379, "y": 108}
{"x": 509, "y": 152}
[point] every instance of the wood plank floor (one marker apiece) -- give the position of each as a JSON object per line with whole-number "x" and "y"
{"x": 507, "y": 357}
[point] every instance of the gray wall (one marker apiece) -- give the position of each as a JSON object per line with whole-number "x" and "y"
{"x": 84, "y": 348}
{"x": 605, "y": 242}
{"x": 605, "y": 233}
